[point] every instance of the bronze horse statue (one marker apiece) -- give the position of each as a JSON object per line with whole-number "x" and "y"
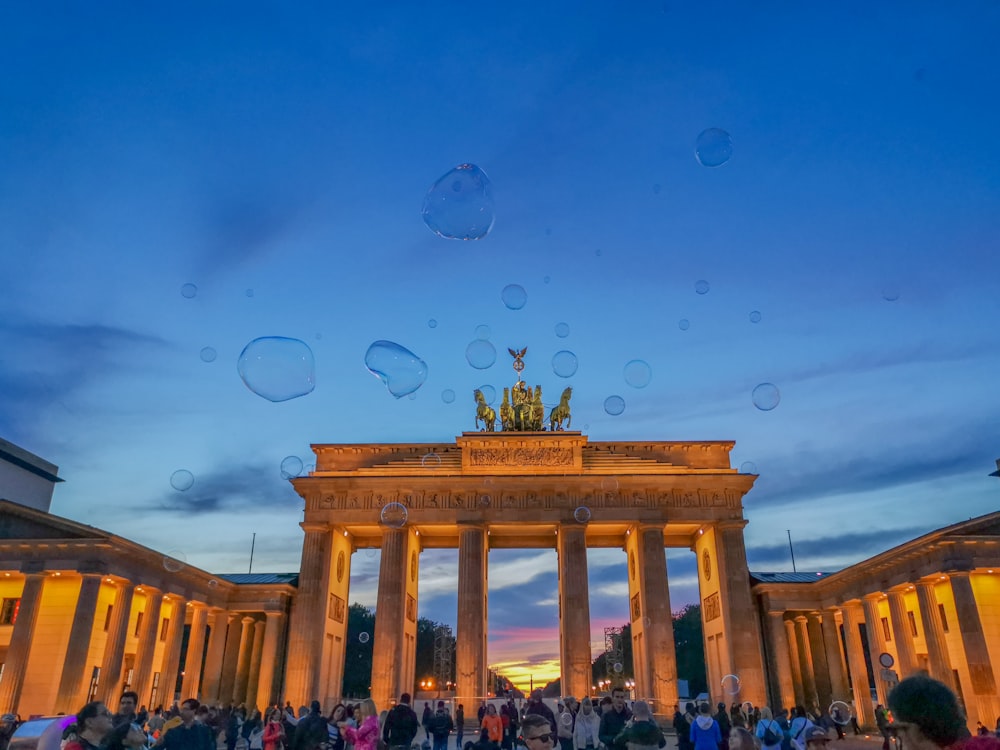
{"x": 561, "y": 413}
{"x": 485, "y": 413}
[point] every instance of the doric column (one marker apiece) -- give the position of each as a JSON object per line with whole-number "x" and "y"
{"x": 269, "y": 658}
{"x": 20, "y": 642}
{"x": 68, "y": 699}
{"x": 906, "y": 654}
{"x": 150, "y": 631}
{"x": 834, "y": 655}
{"x": 574, "y": 609}
{"x": 783, "y": 692}
{"x": 937, "y": 647}
{"x": 243, "y": 662}
{"x": 977, "y": 656}
{"x": 795, "y": 663}
{"x": 470, "y": 635}
{"x": 805, "y": 662}
{"x": 305, "y": 636}
{"x": 742, "y": 628}
{"x": 876, "y": 642}
{"x": 191, "y": 681}
{"x": 172, "y": 651}
{"x": 231, "y": 658}
{"x": 817, "y": 649}
{"x": 859, "y": 667}
{"x": 114, "y": 647}
{"x": 255, "y": 655}
{"x": 660, "y": 681}
{"x": 215, "y": 656}
{"x": 391, "y": 662}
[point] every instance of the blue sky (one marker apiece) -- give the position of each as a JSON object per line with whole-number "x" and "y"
{"x": 287, "y": 151}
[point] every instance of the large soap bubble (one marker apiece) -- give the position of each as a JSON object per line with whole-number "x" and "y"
{"x": 182, "y": 480}
{"x": 514, "y": 296}
{"x": 459, "y": 206}
{"x": 766, "y": 396}
{"x": 291, "y": 467}
{"x": 638, "y": 373}
{"x": 402, "y": 371}
{"x": 277, "y": 368}
{"x": 394, "y": 515}
{"x": 614, "y": 405}
{"x": 713, "y": 147}
{"x": 481, "y": 354}
{"x": 564, "y": 364}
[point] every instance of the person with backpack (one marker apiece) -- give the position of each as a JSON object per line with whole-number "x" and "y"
{"x": 705, "y": 734}
{"x": 311, "y": 731}
{"x": 768, "y": 730}
{"x": 440, "y": 726}
{"x": 401, "y": 724}
{"x": 797, "y": 730}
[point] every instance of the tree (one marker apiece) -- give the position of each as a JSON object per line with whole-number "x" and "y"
{"x": 690, "y": 648}
{"x": 358, "y": 651}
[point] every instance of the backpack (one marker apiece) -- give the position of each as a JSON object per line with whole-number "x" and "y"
{"x": 771, "y": 737}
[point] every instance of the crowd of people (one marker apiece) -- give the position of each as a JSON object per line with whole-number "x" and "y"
{"x": 922, "y": 714}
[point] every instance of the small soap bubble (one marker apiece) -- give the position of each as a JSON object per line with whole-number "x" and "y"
{"x": 412, "y": 397}
{"x": 182, "y": 480}
{"x": 249, "y": 292}
{"x": 402, "y": 371}
{"x": 609, "y": 485}
{"x": 638, "y": 373}
{"x": 394, "y": 515}
{"x": 208, "y": 354}
{"x": 174, "y": 560}
{"x": 291, "y": 467}
{"x": 656, "y": 189}
{"x": 618, "y": 667}
{"x": 546, "y": 280}
{"x": 483, "y": 332}
{"x": 562, "y": 330}
{"x": 277, "y": 368}
{"x": 485, "y": 500}
{"x": 189, "y": 291}
{"x": 566, "y": 718}
{"x": 213, "y": 583}
{"x": 480, "y": 354}
{"x": 364, "y": 637}
{"x": 459, "y": 206}
{"x": 514, "y": 296}
{"x": 890, "y": 293}
{"x": 432, "y": 323}
{"x": 840, "y": 712}
{"x": 701, "y": 286}
{"x": 598, "y": 252}
{"x": 731, "y": 684}
{"x": 614, "y": 405}
{"x": 371, "y": 553}
{"x": 582, "y": 514}
{"x": 766, "y": 396}
{"x": 748, "y": 467}
{"x": 489, "y": 393}
{"x": 713, "y": 147}
{"x": 564, "y": 364}
{"x": 430, "y": 460}
{"x": 448, "y": 395}
{"x": 755, "y": 316}
{"x": 683, "y": 324}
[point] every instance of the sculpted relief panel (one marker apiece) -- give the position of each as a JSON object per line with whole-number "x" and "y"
{"x": 520, "y": 456}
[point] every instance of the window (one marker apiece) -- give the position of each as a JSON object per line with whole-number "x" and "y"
{"x": 107, "y": 617}
{"x": 164, "y": 624}
{"x": 913, "y": 623}
{"x": 886, "y": 630}
{"x": 944, "y": 618}
{"x": 138, "y": 623}
{"x": 8, "y": 611}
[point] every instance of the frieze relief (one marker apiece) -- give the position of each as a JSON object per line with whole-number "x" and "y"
{"x": 526, "y": 500}
{"x": 520, "y": 456}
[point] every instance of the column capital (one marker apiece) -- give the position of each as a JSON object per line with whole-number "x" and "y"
{"x": 647, "y": 526}
{"x": 730, "y": 524}
{"x": 800, "y": 618}
{"x": 899, "y": 588}
{"x": 145, "y": 588}
{"x": 776, "y": 614}
{"x": 959, "y": 573}
{"x": 874, "y": 596}
{"x": 273, "y": 615}
{"x": 931, "y": 581}
{"x": 248, "y": 619}
{"x": 308, "y": 526}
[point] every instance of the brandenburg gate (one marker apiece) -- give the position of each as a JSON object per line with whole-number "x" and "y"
{"x": 523, "y": 489}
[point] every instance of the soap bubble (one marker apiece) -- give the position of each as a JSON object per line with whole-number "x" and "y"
{"x": 430, "y": 460}
{"x": 638, "y": 373}
{"x": 174, "y": 560}
{"x": 564, "y": 364}
{"x": 213, "y": 583}
{"x": 182, "y": 480}
{"x": 483, "y": 332}
{"x": 562, "y": 330}
{"x": 208, "y": 354}
{"x": 890, "y": 293}
{"x": 514, "y": 296}
{"x": 713, "y": 147}
{"x": 614, "y": 405}
{"x": 459, "y": 206}
{"x": 402, "y": 371}
{"x": 609, "y": 485}
{"x": 291, "y": 467}
{"x": 432, "y": 323}
{"x": 489, "y": 393}
{"x": 371, "y": 553}
{"x": 448, "y": 395}
{"x": 657, "y": 188}
{"x": 840, "y": 712}
{"x": 546, "y": 279}
{"x": 480, "y": 354}
{"x": 394, "y": 515}
{"x": 364, "y": 637}
{"x": 683, "y": 324}
{"x": 188, "y": 291}
{"x": 249, "y": 292}
{"x": 748, "y": 467}
{"x": 598, "y": 252}
{"x": 766, "y": 396}
{"x": 755, "y": 316}
{"x": 582, "y": 514}
{"x": 701, "y": 286}
{"x": 731, "y": 684}
{"x": 618, "y": 667}
{"x": 277, "y": 368}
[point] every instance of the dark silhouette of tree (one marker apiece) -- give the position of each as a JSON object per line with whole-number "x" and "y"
{"x": 690, "y": 647}
{"x": 358, "y": 652}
